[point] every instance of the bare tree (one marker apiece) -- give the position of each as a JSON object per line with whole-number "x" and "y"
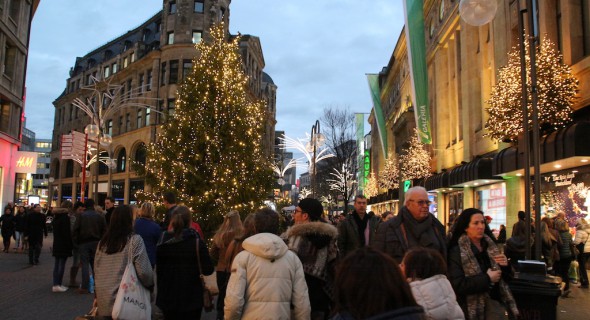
{"x": 338, "y": 127}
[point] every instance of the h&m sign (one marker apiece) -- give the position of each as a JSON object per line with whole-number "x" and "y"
{"x": 25, "y": 162}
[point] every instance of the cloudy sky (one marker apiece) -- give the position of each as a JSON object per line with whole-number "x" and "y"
{"x": 317, "y": 52}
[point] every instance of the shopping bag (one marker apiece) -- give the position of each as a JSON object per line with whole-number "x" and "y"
{"x": 133, "y": 299}
{"x": 211, "y": 284}
{"x": 573, "y": 271}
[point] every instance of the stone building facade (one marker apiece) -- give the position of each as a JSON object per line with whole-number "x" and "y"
{"x": 16, "y": 17}
{"x": 151, "y": 59}
{"x": 470, "y": 169}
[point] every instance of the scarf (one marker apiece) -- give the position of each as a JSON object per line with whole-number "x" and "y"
{"x": 476, "y": 302}
{"x": 421, "y": 233}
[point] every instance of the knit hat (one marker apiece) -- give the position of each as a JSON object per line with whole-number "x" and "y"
{"x": 312, "y": 207}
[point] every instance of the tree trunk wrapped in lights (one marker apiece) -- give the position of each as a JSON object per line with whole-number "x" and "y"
{"x": 414, "y": 160}
{"x": 556, "y": 87}
{"x": 209, "y": 153}
{"x": 389, "y": 176}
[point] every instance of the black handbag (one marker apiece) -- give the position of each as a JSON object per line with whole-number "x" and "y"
{"x": 207, "y": 296}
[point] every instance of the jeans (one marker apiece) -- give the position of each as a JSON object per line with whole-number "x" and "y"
{"x": 222, "y": 280}
{"x": 75, "y": 257}
{"x": 18, "y": 235}
{"x": 87, "y": 251}
{"x": 582, "y": 258}
{"x": 58, "y": 270}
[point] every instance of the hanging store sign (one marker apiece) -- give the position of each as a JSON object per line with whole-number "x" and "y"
{"x": 25, "y": 162}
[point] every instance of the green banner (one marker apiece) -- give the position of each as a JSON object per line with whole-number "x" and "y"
{"x": 376, "y": 95}
{"x": 360, "y": 144}
{"x": 414, "y": 15}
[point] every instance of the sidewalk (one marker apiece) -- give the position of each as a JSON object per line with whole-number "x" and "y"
{"x": 25, "y": 292}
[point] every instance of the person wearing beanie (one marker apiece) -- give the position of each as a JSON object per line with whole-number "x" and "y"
{"x": 314, "y": 242}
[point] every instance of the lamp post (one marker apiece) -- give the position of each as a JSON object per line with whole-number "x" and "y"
{"x": 480, "y": 12}
{"x": 316, "y": 140}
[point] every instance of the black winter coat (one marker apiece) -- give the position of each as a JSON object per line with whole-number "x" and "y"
{"x": 179, "y": 285}
{"x": 35, "y": 227}
{"x": 62, "y": 235}
{"x": 8, "y": 224}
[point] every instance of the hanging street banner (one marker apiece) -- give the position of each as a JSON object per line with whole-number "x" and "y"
{"x": 360, "y": 144}
{"x": 416, "y": 42}
{"x": 376, "y": 95}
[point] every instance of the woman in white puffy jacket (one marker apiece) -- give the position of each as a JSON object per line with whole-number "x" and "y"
{"x": 425, "y": 270}
{"x": 266, "y": 278}
{"x": 581, "y": 241}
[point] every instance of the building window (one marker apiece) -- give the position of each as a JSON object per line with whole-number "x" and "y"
{"x": 199, "y": 6}
{"x": 173, "y": 72}
{"x": 163, "y": 74}
{"x": 9, "y": 60}
{"x": 132, "y": 57}
{"x": 172, "y": 7}
{"x": 140, "y": 154}
{"x": 147, "y": 116}
{"x": 170, "y": 110}
{"x": 170, "y": 37}
{"x": 139, "y": 118}
{"x": 140, "y": 83}
{"x": 129, "y": 88}
{"x": 121, "y": 125}
{"x": 115, "y": 68}
{"x": 125, "y": 62}
{"x": 128, "y": 122}
{"x": 110, "y": 127}
{"x": 187, "y": 66}
{"x": 14, "y": 10}
{"x": 149, "y": 81}
{"x": 72, "y": 112}
{"x": 197, "y": 36}
{"x": 121, "y": 161}
{"x": 107, "y": 71}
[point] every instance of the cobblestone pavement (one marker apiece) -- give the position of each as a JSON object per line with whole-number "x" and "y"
{"x": 25, "y": 292}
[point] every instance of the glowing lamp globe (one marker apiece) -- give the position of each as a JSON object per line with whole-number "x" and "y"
{"x": 320, "y": 139}
{"x": 478, "y": 12}
{"x": 106, "y": 140}
{"x": 92, "y": 131}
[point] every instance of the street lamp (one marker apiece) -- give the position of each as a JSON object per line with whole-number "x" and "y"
{"x": 316, "y": 140}
{"x": 480, "y": 12}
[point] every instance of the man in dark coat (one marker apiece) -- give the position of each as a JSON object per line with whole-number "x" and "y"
{"x": 109, "y": 205}
{"x": 35, "y": 228}
{"x": 414, "y": 226}
{"x": 88, "y": 230}
{"x": 169, "y": 201}
{"x": 357, "y": 230}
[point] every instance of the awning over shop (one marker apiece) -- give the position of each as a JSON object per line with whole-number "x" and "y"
{"x": 568, "y": 142}
{"x": 437, "y": 181}
{"x": 478, "y": 169}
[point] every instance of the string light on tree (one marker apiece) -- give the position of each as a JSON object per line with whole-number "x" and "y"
{"x": 372, "y": 188}
{"x": 209, "y": 152}
{"x": 414, "y": 160}
{"x": 557, "y": 88}
{"x": 389, "y": 176}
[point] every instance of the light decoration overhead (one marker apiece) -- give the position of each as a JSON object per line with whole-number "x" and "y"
{"x": 556, "y": 91}
{"x": 304, "y": 193}
{"x": 389, "y": 176}
{"x": 281, "y": 169}
{"x": 302, "y": 145}
{"x": 414, "y": 160}
{"x": 210, "y": 152}
{"x": 372, "y": 188}
{"x": 478, "y": 12}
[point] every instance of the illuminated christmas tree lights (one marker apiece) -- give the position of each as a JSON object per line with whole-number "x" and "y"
{"x": 371, "y": 189}
{"x": 210, "y": 153}
{"x": 414, "y": 160}
{"x": 389, "y": 176}
{"x": 556, "y": 89}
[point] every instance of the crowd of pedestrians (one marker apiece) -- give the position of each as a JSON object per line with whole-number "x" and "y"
{"x": 357, "y": 266}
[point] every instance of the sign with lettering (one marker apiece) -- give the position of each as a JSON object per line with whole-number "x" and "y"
{"x": 25, "y": 162}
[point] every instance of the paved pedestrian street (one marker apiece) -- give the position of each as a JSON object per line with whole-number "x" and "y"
{"x": 25, "y": 292}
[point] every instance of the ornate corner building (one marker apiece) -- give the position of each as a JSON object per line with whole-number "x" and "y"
{"x": 469, "y": 168}
{"x": 152, "y": 59}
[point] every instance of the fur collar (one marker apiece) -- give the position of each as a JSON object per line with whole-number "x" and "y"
{"x": 313, "y": 228}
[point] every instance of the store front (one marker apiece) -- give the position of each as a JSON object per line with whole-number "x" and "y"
{"x": 566, "y": 191}
{"x": 491, "y": 199}
{"x": 118, "y": 191}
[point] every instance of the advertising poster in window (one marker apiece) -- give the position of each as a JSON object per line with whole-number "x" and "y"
{"x": 492, "y": 201}
{"x": 566, "y": 191}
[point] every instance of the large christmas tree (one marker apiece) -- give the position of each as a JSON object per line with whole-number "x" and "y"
{"x": 556, "y": 89}
{"x": 209, "y": 153}
{"x": 414, "y": 160}
{"x": 389, "y": 176}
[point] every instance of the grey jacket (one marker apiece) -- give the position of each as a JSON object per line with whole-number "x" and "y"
{"x": 348, "y": 238}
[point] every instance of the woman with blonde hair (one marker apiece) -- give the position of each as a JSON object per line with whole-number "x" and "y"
{"x": 227, "y": 232}
{"x": 148, "y": 229}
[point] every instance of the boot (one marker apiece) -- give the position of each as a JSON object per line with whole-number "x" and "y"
{"x": 73, "y": 274}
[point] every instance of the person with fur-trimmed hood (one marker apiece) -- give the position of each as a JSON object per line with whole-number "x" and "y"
{"x": 314, "y": 242}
